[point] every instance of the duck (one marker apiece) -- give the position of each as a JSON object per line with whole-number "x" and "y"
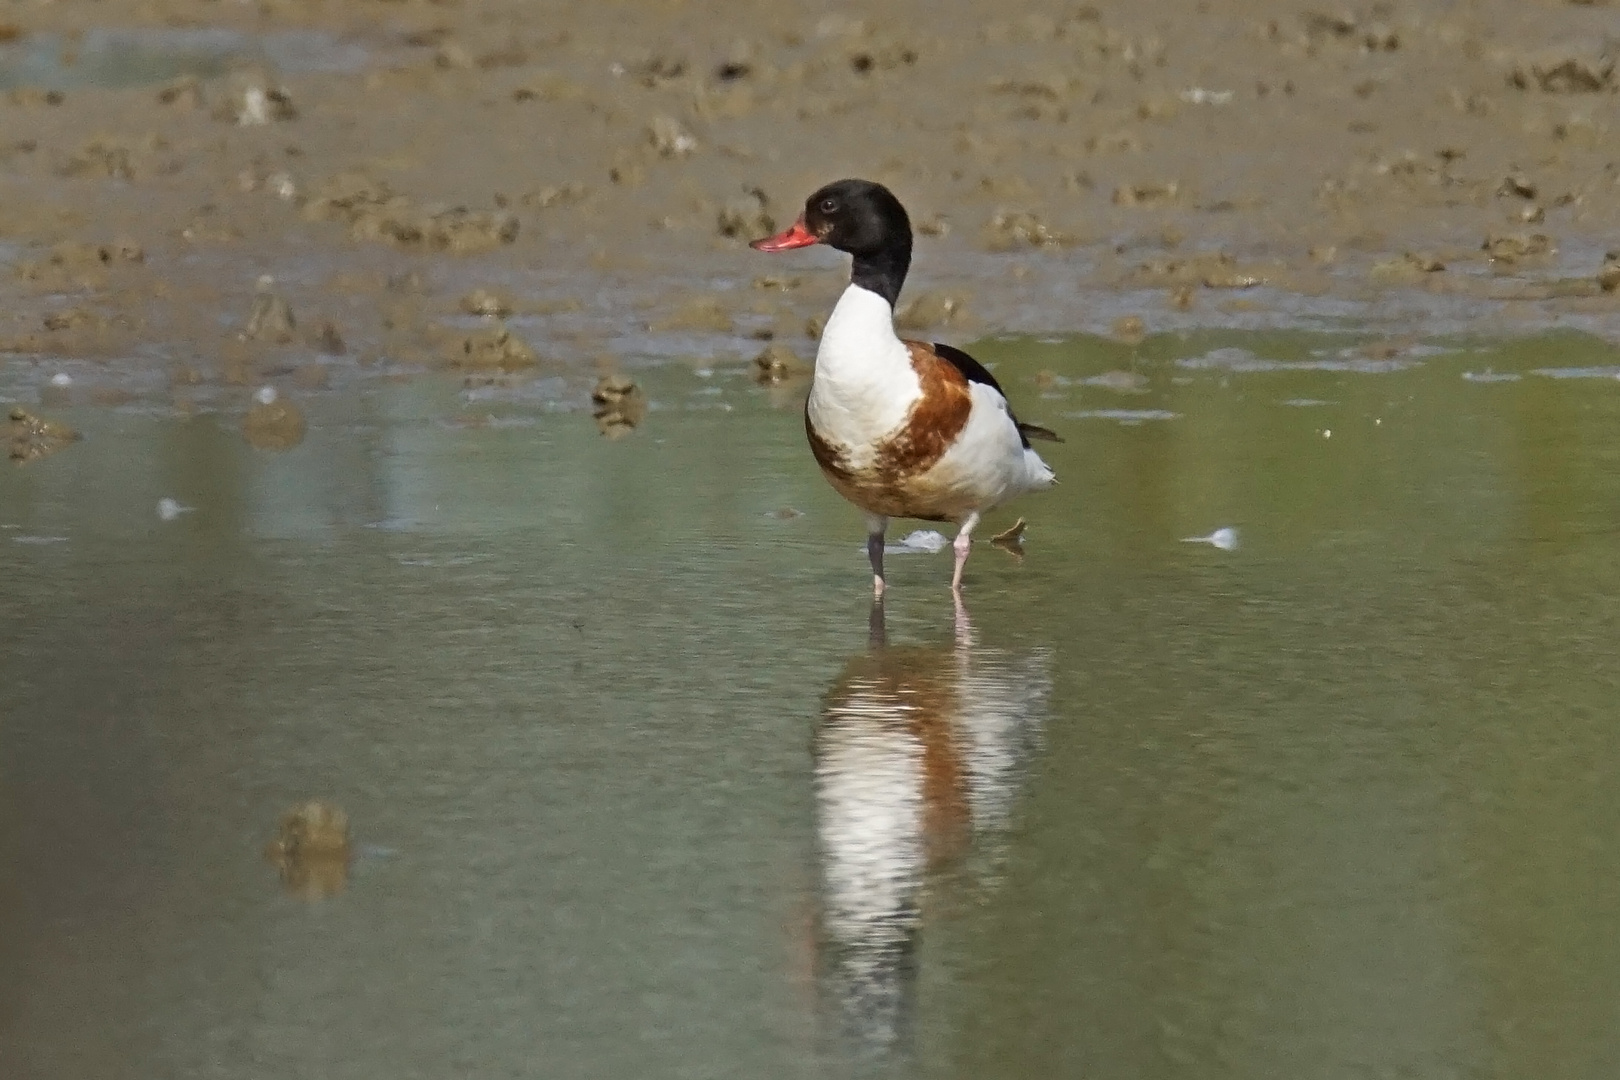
{"x": 902, "y": 428}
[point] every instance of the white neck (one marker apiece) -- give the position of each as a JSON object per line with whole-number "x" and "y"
{"x": 859, "y": 334}
{"x": 864, "y": 384}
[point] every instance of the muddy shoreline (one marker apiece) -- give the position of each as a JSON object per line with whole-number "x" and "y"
{"x": 505, "y": 190}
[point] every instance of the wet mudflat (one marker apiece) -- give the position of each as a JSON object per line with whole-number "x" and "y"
{"x": 635, "y": 786}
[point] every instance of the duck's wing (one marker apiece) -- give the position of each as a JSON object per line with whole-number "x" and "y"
{"x": 975, "y": 372}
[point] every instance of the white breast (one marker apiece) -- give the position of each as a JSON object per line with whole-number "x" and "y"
{"x": 864, "y": 383}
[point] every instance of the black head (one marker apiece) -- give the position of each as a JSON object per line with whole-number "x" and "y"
{"x": 858, "y": 216}
{"x": 862, "y": 218}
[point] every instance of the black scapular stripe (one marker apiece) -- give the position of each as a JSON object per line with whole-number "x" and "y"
{"x": 974, "y": 371}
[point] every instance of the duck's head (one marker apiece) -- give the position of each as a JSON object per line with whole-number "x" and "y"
{"x": 862, "y": 218}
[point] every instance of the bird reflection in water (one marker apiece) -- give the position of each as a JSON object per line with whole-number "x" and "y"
{"x": 918, "y": 758}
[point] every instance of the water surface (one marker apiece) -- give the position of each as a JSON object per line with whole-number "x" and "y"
{"x": 641, "y": 788}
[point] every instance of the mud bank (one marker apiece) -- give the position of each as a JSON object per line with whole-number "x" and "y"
{"x": 575, "y": 183}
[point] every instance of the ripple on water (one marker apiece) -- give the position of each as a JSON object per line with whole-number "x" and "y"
{"x": 1127, "y": 417}
{"x": 1243, "y": 361}
{"x": 1605, "y": 372}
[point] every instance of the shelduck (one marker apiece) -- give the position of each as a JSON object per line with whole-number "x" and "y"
{"x": 902, "y": 428}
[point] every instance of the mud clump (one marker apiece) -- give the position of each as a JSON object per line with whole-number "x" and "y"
{"x": 74, "y": 318}
{"x": 1150, "y": 194}
{"x": 548, "y": 88}
{"x": 1608, "y": 277}
{"x": 554, "y": 195}
{"x": 779, "y": 364}
{"x": 328, "y": 339}
{"x": 1129, "y": 329}
{"x": 29, "y": 437}
{"x": 183, "y": 93}
{"x": 1575, "y": 70}
{"x": 930, "y": 309}
{"x": 1008, "y": 230}
{"x": 1519, "y": 185}
{"x": 488, "y": 303}
{"x": 700, "y": 315}
{"x": 72, "y": 266}
{"x": 1410, "y": 267}
{"x": 457, "y": 231}
{"x": 619, "y": 406}
{"x": 345, "y": 196}
{"x": 273, "y": 424}
{"x": 32, "y": 97}
{"x": 119, "y": 159}
{"x": 1509, "y": 250}
{"x": 311, "y": 850}
{"x": 1211, "y": 269}
{"x": 669, "y": 139}
{"x": 493, "y": 349}
{"x": 374, "y": 212}
{"x": 746, "y": 217}
{"x": 251, "y": 100}
{"x": 271, "y": 318}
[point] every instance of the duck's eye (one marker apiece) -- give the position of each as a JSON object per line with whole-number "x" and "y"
{"x": 829, "y": 206}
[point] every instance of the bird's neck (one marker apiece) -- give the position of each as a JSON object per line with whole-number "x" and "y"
{"x": 884, "y": 271}
{"x": 863, "y": 369}
{"x": 859, "y": 338}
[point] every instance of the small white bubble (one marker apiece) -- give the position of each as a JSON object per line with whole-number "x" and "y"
{"x": 61, "y": 378}
{"x": 1327, "y": 434}
{"x": 265, "y": 395}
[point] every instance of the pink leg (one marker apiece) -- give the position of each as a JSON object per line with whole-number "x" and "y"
{"x": 962, "y": 545}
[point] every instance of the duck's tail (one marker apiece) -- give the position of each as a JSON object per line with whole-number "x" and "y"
{"x": 1037, "y": 473}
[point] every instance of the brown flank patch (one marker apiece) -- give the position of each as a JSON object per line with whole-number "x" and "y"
{"x": 888, "y": 485}
{"x": 828, "y": 456}
{"x": 934, "y": 421}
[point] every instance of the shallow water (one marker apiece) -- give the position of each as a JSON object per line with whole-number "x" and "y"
{"x": 117, "y": 58}
{"x": 640, "y": 789}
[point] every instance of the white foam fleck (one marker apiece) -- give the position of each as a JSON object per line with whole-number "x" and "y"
{"x": 1225, "y": 538}
{"x": 921, "y": 542}
{"x": 168, "y": 509}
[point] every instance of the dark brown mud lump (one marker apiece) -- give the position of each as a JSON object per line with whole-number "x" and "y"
{"x": 29, "y": 437}
{"x": 619, "y": 405}
{"x": 274, "y": 424}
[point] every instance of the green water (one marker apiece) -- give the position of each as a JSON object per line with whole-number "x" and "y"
{"x": 638, "y": 792}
